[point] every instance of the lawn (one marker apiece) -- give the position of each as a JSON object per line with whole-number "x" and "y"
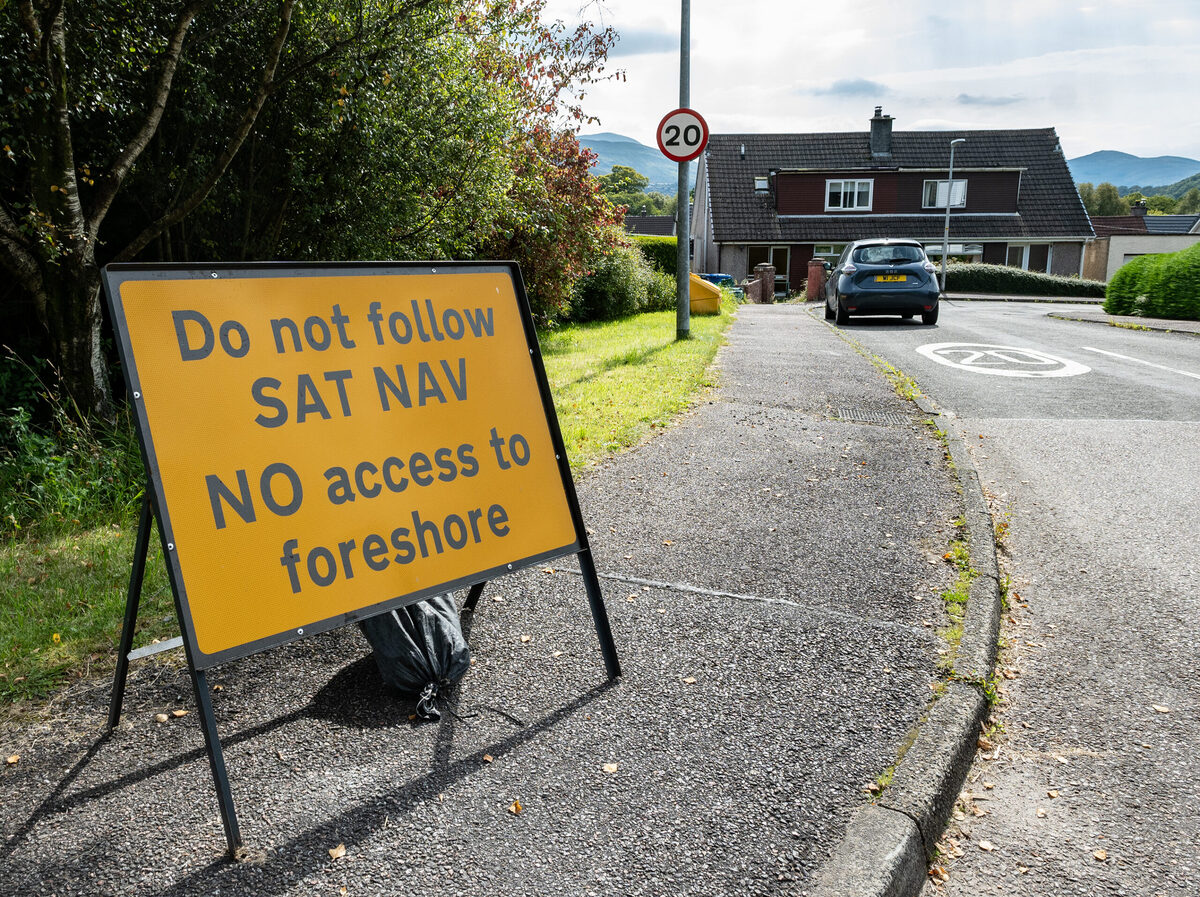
{"x": 63, "y": 582}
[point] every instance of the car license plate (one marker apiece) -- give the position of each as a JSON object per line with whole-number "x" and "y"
{"x": 890, "y": 278}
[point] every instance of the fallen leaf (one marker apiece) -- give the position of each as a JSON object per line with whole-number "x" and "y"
{"x": 160, "y": 717}
{"x": 178, "y": 713}
{"x": 1022, "y": 869}
{"x": 547, "y": 569}
{"x": 526, "y": 638}
{"x": 1161, "y": 708}
{"x": 558, "y": 653}
{"x": 983, "y": 743}
{"x": 978, "y": 810}
{"x": 631, "y": 598}
{"x": 610, "y": 767}
{"x": 939, "y": 873}
{"x": 338, "y": 852}
{"x": 1053, "y": 792}
{"x": 1009, "y": 674}
{"x": 689, "y": 680}
{"x": 13, "y": 760}
{"x": 1101, "y": 855}
{"x": 488, "y": 758}
{"x": 343, "y": 890}
{"x": 668, "y": 542}
{"x": 1041, "y": 813}
{"x": 872, "y": 788}
{"x": 515, "y": 808}
{"x": 988, "y": 786}
{"x": 628, "y": 557}
{"x": 987, "y": 845}
{"x": 218, "y": 688}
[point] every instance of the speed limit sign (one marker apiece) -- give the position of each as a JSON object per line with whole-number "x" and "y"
{"x": 682, "y": 135}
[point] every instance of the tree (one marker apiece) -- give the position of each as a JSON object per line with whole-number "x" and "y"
{"x": 1160, "y": 204}
{"x": 1189, "y": 203}
{"x": 389, "y": 127}
{"x": 1087, "y": 193}
{"x": 1109, "y": 202}
{"x": 623, "y": 179}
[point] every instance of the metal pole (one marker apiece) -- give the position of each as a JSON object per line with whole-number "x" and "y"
{"x": 946, "y": 229}
{"x": 132, "y": 599}
{"x": 683, "y": 308}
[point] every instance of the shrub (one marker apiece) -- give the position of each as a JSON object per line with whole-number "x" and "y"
{"x": 1127, "y": 284}
{"x": 617, "y": 286}
{"x": 68, "y": 473}
{"x": 660, "y": 292}
{"x": 1157, "y": 286}
{"x": 660, "y": 251}
{"x": 1003, "y": 279}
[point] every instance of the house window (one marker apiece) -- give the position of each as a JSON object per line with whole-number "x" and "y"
{"x": 935, "y": 194}
{"x": 760, "y": 184}
{"x": 846, "y": 195}
{"x": 828, "y": 250}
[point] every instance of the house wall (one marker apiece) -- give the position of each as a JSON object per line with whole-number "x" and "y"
{"x": 1095, "y": 260}
{"x": 732, "y": 261}
{"x": 1122, "y": 247}
{"x": 803, "y": 193}
{"x": 1066, "y": 258}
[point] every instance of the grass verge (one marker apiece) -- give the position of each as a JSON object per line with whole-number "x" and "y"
{"x": 63, "y": 577}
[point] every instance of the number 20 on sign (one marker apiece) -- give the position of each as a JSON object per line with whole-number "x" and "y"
{"x": 682, "y": 135}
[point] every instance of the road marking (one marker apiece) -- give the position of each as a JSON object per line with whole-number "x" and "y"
{"x": 1001, "y": 361}
{"x": 1161, "y": 367}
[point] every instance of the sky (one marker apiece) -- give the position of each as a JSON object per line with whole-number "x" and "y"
{"x": 1107, "y": 74}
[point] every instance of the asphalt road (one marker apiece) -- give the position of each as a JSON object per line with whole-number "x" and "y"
{"x": 1090, "y": 448}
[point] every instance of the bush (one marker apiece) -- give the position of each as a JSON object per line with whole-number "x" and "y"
{"x": 618, "y": 286}
{"x": 662, "y": 252}
{"x": 1157, "y": 286}
{"x": 1003, "y": 279}
{"x": 1125, "y": 286}
{"x": 66, "y": 474}
{"x": 660, "y": 292}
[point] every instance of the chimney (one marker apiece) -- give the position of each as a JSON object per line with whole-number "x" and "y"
{"x": 1138, "y": 208}
{"x": 881, "y": 135}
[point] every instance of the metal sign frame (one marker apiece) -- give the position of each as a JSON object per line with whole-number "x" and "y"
{"x": 155, "y": 502}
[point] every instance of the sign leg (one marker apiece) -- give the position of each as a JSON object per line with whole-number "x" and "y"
{"x": 132, "y": 599}
{"x": 473, "y": 596}
{"x": 216, "y": 759}
{"x": 591, "y": 582}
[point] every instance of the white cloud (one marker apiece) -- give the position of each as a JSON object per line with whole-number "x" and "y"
{"x": 1093, "y": 71}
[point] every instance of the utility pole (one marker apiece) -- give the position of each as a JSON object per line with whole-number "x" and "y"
{"x": 683, "y": 309}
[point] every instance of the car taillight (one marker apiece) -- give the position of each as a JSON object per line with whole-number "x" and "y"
{"x": 848, "y": 268}
{"x": 929, "y": 267}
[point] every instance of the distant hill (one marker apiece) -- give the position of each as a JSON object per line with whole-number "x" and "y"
{"x": 1177, "y": 189}
{"x": 1125, "y": 170}
{"x": 616, "y": 149}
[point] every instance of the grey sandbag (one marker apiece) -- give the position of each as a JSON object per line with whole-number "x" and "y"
{"x": 419, "y": 649}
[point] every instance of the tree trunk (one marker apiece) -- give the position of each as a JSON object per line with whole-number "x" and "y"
{"x": 69, "y": 305}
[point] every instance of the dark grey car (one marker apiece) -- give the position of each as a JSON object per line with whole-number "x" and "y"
{"x": 883, "y": 276}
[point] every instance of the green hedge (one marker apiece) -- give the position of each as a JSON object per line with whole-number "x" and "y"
{"x": 661, "y": 252}
{"x": 1003, "y": 279}
{"x": 1157, "y": 286}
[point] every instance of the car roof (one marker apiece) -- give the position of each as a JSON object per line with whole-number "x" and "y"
{"x": 888, "y": 241}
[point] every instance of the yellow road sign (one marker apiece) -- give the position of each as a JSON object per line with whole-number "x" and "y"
{"x": 326, "y": 441}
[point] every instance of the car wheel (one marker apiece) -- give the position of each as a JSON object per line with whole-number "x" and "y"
{"x": 842, "y": 316}
{"x": 929, "y": 317}
{"x": 828, "y": 310}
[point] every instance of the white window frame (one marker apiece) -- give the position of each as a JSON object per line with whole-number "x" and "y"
{"x": 853, "y": 193}
{"x": 956, "y": 201}
{"x": 761, "y": 183}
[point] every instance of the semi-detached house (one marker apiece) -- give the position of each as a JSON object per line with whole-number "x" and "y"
{"x": 788, "y": 198}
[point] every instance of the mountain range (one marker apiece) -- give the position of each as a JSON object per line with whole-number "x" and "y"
{"x": 1125, "y": 170}
{"x": 616, "y": 149}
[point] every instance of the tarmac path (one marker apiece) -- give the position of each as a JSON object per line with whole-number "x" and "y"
{"x": 771, "y": 565}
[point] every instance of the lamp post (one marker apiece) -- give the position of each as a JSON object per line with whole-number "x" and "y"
{"x": 946, "y": 230}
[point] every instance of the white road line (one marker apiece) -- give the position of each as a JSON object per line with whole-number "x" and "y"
{"x": 1161, "y": 367}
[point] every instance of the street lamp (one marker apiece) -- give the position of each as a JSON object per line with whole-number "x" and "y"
{"x": 946, "y": 230}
